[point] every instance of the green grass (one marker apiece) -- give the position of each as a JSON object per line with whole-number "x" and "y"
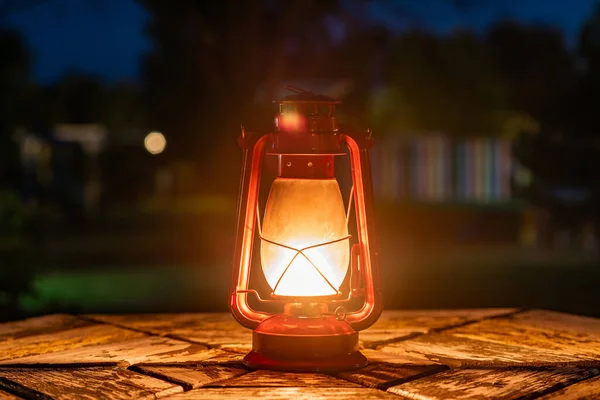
{"x": 135, "y": 289}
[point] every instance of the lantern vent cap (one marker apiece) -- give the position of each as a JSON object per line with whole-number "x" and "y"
{"x": 302, "y": 95}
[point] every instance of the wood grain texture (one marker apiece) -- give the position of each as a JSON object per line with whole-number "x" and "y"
{"x": 39, "y": 325}
{"x": 382, "y": 376}
{"x": 491, "y": 383}
{"x": 145, "y": 350}
{"x": 403, "y": 358}
{"x": 286, "y": 379}
{"x": 241, "y": 348}
{"x": 286, "y": 393}
{"x": 585, "y": 390}
{"x": 90, "y": 383}
{"x": 224, "y": 358}
{"x": 395, "y": 325}
{"x": 74, "y": 338}
{"x": 551, "y": 331}
{"x": 462, "y": 352}
{"x": 560, "y": 321}
{"x": 213, "y": 329}
{"x": 193, "y": 377}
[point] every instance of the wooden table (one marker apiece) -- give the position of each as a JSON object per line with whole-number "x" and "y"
{"x": 466, "y": 354}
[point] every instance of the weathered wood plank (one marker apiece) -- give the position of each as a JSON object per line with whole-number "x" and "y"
{"x": 560, "y": 321}
{"x": 39, "y": 325}
{"x": 75, "y": 338}
{"x": 462, "y": 352}
{"x": 144, "y": 350}
{"x": 285, "y": 379}
{"x": 90, "y": 383}
{"x": 491, "y": 383}
{"x": 285, "y": 393}
{"x": 382, "y": 376}
{"x": 586, "y": 390}
{"x": 224, "y": 357}
{"x": 395, "y": 325}
{"x": 210, "y": 328}
{"x": 241, "y": 348}
{"x": 7, "y": 396}
{"x": 538, "y": 329}
{"x": 193, "y": 377}
{"x": 557, "y": 356}
{"x": 403, "y": 359}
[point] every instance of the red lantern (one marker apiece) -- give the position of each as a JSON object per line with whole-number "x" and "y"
{"x": 324, "y": 281}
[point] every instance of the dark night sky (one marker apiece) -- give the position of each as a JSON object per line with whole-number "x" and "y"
{"x": 106, "y": 38}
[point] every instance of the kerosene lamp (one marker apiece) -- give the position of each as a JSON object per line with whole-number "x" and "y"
{"x": 325, "y": 282}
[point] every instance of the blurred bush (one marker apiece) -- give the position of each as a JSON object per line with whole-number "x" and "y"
{"x": 16, "y": 248}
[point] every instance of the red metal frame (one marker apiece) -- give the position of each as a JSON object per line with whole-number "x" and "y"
{"x": 366, "y": 250}
{"x": 253, "y": 154}
{"x": 307, "y": 336}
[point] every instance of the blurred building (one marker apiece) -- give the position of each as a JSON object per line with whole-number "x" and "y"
{"x": 60, "y": 166}
{"x": 85, "y": 169}
{"x": 435, "y": 168}
{"x": 473, "y": 189}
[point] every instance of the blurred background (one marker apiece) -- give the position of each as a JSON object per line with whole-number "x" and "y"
{"x": 119, "y": 162}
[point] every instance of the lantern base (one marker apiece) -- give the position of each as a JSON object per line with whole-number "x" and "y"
{"x": 290, "y": 343}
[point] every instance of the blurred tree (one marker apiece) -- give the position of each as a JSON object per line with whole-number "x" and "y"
{"x": 212, "y": 58}
{"x": 440, "y": 84}
{"x": 14, "y": 86}
{"x": 535, "y": 65}
{"x": 562, "y": 91}
{"x": 80, "y": 98}
{"x": 363, "y": 60}
{"x": 581, "y": 105}
{"x": 124, "y": 107}
{"x": 589, "y": 42}
{"x": 16, "y": 270}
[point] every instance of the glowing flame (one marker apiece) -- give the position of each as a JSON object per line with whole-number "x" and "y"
{"x": 301, "y": 213}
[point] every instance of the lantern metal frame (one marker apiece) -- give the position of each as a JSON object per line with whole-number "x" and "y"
{"x": 333, "y": 345}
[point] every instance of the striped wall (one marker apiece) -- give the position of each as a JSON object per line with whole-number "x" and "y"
{"x": 434, "y": 168}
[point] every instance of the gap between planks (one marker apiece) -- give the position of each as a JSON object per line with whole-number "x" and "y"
{"x": 558, "y": 388}
{"x": 384, "y": 386}
{"x": 22, "y": 391}
{"x": 375, "y": 344}
{"x": 185, "y": 385}
{"x": 499, "y": 316}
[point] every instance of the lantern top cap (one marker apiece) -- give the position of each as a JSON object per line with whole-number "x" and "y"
{"x": 308, "y": 98}
{"x": 305, "y": 96}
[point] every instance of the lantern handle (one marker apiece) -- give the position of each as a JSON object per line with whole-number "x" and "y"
{"x": 368, "y": 250}
{"x": 253, "y": 153}
{"x": 296, "y": 89}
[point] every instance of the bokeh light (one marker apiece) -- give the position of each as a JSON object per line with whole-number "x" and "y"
{"x": 155, "y": 142}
